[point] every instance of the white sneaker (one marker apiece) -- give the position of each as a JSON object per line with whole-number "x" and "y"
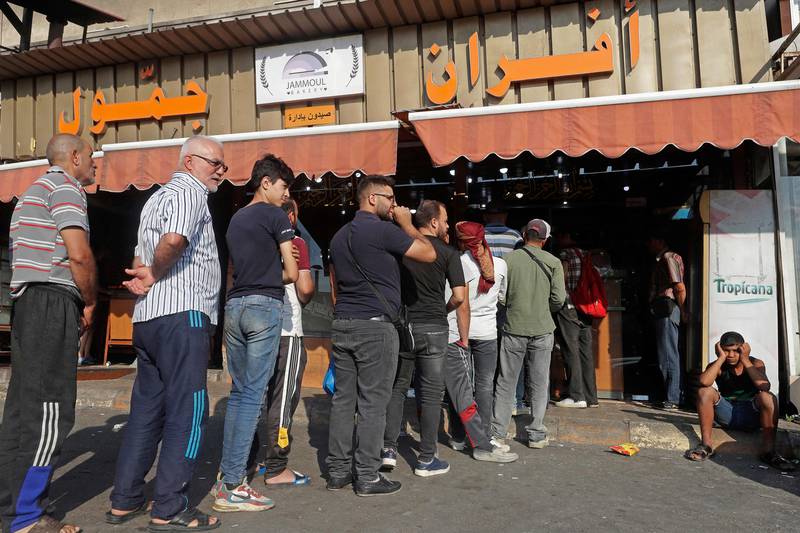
{"x": 499, "y": 444}
{"x": 458, "y": 445}
{"x": 569, "y": 402}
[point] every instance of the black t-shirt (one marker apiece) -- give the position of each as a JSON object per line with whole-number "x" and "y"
{"x": 378, "y": 245}
{"x": 423, "y": 283}
{"x": 254, "y": 236}
{"x": 733, "y": 387}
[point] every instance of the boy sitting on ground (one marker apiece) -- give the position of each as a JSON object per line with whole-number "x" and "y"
{"x": 743, "y": 401}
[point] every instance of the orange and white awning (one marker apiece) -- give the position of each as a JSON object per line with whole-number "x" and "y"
{"x": 647, "y": 122}
{"x": 370, "y": 148}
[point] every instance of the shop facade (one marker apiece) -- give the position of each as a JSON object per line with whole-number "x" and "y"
{"x": 443, "y": 95}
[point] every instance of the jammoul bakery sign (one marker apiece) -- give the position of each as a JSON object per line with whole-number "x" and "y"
{"x": 327, "y": 68}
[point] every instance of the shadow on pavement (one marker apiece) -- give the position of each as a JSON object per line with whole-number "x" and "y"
{"x": 748, "y": 466}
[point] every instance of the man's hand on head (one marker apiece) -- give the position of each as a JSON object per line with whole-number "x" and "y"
{"x": 718, "y": 351}
{"x": 744, "y": 352}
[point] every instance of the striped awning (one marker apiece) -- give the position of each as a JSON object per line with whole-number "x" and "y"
{"x": 648, "y": 122}
{"x": 369, "y": 148}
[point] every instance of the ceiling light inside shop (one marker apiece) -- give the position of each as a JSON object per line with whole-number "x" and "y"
{"x": 413, "y": 211}
{"x": 519, "y": 195}
{"x": 318, "y": 179}
{"x": 626, "y": 188}
{"x": 469, "y": 180}
{"x": 344, "y": 212}
{"x": 483, "y": 206}
{"x": 564, "y": 202}
{"x": 308, "y": 187}
{"x": 358, "y": 174}
{"x": 504, "y": 170}
{"x": 452, "y": 172}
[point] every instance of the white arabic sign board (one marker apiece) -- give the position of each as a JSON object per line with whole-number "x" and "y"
{"x": 327, "y": 68}
{"x": 742, "y": 276}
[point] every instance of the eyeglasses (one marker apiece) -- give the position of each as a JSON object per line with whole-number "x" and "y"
{"x": 216, "y": 163}
{"x": 389, "y": 197}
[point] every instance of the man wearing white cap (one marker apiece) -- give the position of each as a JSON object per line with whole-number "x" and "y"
{"x": 535, "y": 290}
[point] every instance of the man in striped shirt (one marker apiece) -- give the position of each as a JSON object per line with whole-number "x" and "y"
{"x": 176, "y": 274}
{"x": 53, "y": 286}
{"x": 502, "y": 240}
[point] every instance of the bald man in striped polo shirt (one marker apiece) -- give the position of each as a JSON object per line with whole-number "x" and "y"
{"x": 53, "y": 286}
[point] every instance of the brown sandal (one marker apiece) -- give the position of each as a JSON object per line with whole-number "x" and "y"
{"x": 699, "y": 453}
{"x": 48, "y": 524}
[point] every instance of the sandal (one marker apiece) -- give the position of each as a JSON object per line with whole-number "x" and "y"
{"x": 181, "y": 521}
{"x": 48, "y": 524}
{"x": 117, "y": 519}
{"x": 299, "y": 481}
{"x": 699, "y": 453}
{"x": 777, "y": 462}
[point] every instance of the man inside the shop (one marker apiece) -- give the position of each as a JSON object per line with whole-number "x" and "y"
{"x": 283, "y": 392}
{"x": 741, "y": 401}
{"x": 423, "y": 286}
{"x": 535, "y": 290}
{"x": 259, "y": 240}
{"x": 176, "y": 275}
{"x": 365, "y": 281}
{"x": 668, "y": 310}
{"x": 575, "y": 331}
{"x": 503, "y": 240}
{"x": 53, "y": 287}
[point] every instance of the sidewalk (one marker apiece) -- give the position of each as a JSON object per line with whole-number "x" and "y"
{"x": 613, "y": 423}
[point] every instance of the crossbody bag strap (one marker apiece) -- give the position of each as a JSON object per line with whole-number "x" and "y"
{"x": 377, "y": 292}
{"x": 541, "y": 265}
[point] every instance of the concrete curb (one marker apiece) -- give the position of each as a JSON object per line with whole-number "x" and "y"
{"x": 601, "y": 427}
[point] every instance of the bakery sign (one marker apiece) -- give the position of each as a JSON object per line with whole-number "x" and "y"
{"x": 327, "y": 68}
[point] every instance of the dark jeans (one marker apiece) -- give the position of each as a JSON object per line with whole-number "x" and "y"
{"x": 575, "y": 333}
{"x": 169, "y": 404}
{"x": 365, "y": 361}
{"x": 430, "y": 345}
{"x": 40, "y": 405}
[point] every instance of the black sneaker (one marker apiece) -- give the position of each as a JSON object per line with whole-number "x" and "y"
{"x": 379, "y": 487}
{"x": 338, "y": 482}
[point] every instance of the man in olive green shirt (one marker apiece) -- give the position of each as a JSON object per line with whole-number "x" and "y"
{"x": 535, "y": 290}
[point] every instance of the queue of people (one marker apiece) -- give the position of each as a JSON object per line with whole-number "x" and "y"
{"x": 474, "y": 319}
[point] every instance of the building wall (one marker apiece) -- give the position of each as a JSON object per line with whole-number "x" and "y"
{"x": 683, "y": 44}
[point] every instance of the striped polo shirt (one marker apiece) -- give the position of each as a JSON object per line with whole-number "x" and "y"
{"x": 53, "y": 202}
{"x": 501, "y": 239}
{"x": 193, "y": 283}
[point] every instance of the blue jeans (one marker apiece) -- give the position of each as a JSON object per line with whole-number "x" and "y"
{"x": 252, "y": 338}
{"x": 669, "y": 357}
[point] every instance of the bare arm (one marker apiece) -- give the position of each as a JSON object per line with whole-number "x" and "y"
{"x": 289, "y": 263}
{"x": 712, "y": 371}
{"x": 457, "y": 298}
{"x": 333, "y": 284}
{"x": 304, "y": 286}
{"x": 421, "y": 249}
{"x": 463, "y": 319}
{"x": 169, "y": 249}
{"x": 81, "y": 263}
{"x": 756, "y": 371}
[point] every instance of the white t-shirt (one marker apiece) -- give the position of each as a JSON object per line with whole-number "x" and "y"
{"x": 483, "y": 307}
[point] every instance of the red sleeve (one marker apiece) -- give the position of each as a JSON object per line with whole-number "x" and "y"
{"x": 305, "y": 260}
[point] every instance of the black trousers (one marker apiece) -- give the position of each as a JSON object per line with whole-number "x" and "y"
{"x": 169, "y": 404}
{"x": 575, "y": 334}
{"x": 40, "y": 405}
{"x": 283, "y": 396}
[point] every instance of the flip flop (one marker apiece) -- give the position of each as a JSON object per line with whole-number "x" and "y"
{"x": 699, "y": 453}
{"x": 116, "y": 520}
{"x": 181, "y": 521}
{"x": 48, "y": 524}
{"x": 299, "y": 481}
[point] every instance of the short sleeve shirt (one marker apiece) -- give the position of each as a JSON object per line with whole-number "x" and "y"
{"x": 667, "y": 271}
{"x": 54, "y": 202}
{"x": 378, "y": 245}
{"x": 292, "y": 310}
{"x": 193, "y": 282}
{"x": 254, "y": 236}
{"x": 424, "y": 284}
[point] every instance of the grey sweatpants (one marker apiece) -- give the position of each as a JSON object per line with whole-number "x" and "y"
{"x": 459, "y": 382}
{"x": 535, "y": 352}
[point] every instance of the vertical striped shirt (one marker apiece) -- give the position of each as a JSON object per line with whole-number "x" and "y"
{"x": 501, "y": 239}
{"x": 193, "y": 283}
{"x": 55, "y": 201}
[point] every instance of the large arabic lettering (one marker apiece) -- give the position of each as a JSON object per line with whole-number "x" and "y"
{"x": 158, "y": 106}
{"x": 598, "y": 60}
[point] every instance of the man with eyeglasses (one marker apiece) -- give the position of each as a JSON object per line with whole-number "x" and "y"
{"x": 365, "y": 281}
{"x": 176, "y": 275}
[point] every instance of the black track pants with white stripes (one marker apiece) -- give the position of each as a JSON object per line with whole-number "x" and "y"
{"x": 283, "y": 396}
{"x": 40, "y": 406}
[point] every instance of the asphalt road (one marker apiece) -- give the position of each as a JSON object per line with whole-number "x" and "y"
{"x": 561, "y": 488}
